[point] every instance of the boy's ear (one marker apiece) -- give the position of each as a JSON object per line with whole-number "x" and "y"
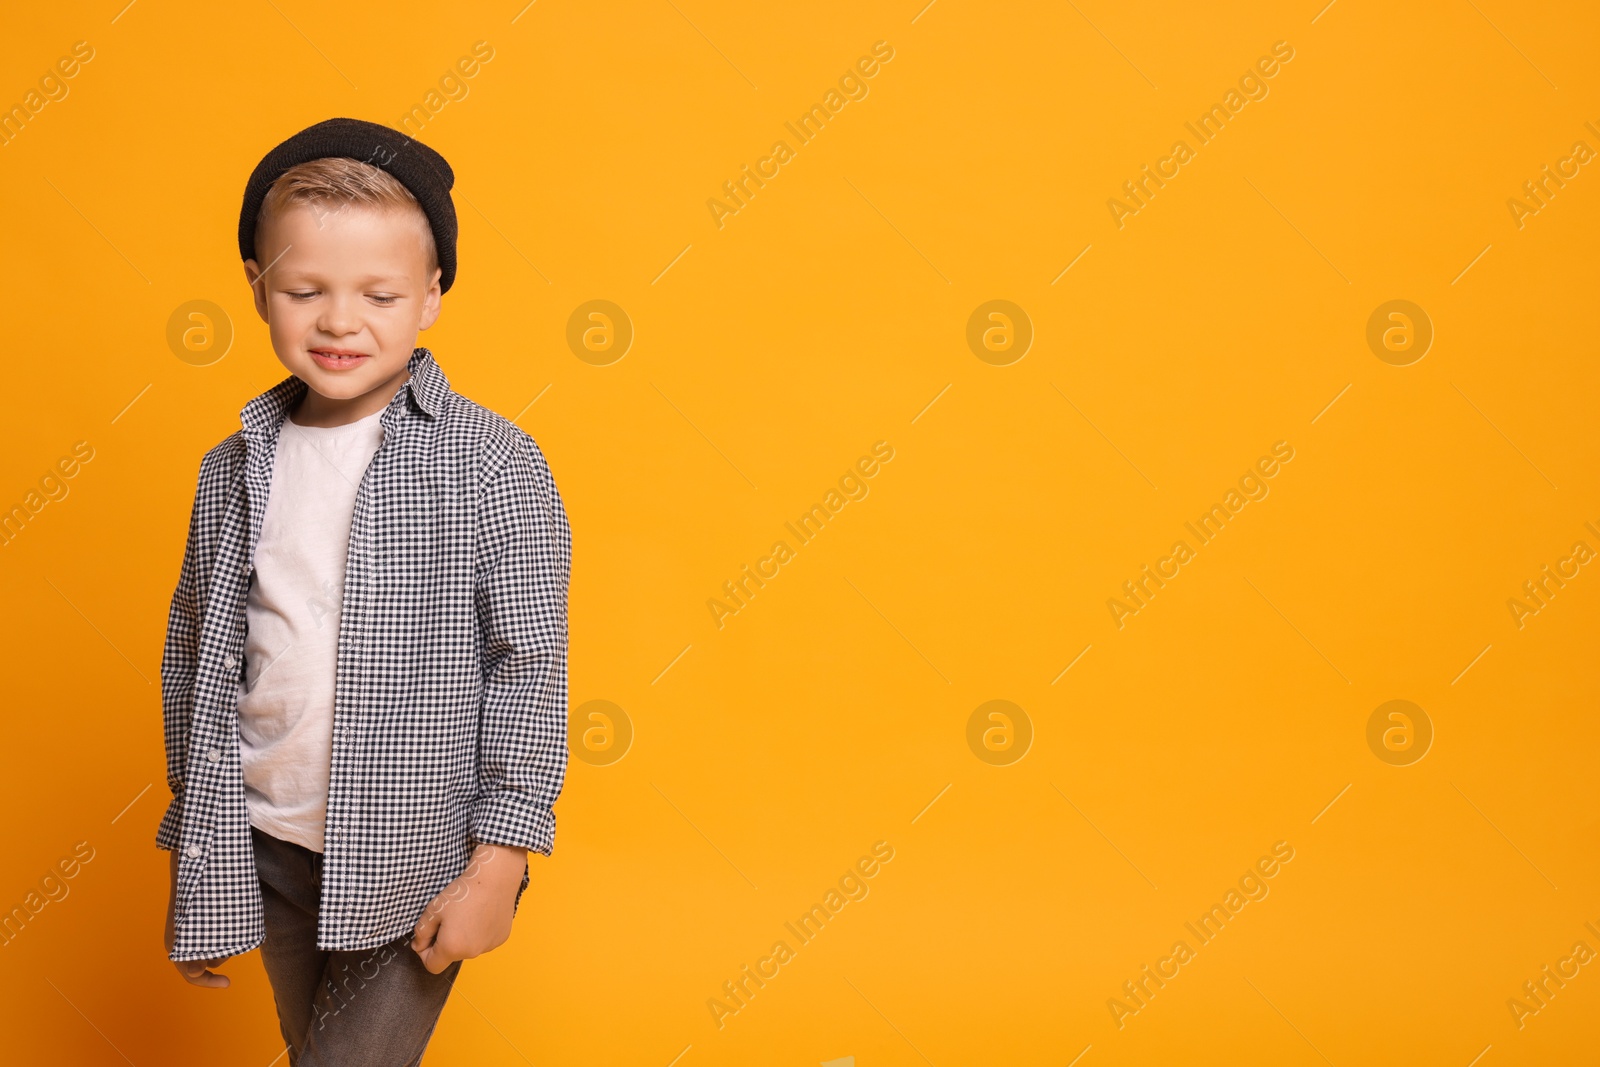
{"x": 258, "y": 290}
{"x": 432, "y": 301}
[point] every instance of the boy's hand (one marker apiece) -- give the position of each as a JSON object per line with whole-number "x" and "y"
{"x": 195, "y": 972}
{"x": 472, "y": 914}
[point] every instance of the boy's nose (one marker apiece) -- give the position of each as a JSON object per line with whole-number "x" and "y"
{"x": 338, "y": 317}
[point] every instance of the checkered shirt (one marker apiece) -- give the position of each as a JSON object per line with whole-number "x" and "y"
{"x": 450, "y": 707}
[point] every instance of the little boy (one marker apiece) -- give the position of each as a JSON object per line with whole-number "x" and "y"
{"x": 364, "y": 684}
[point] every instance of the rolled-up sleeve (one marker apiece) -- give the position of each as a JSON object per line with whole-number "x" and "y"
{"x": 522, "y": 570}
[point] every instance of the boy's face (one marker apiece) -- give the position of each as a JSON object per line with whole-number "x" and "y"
{"x": 344, "y": 297}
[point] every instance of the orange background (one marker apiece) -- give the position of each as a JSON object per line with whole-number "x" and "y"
{"x": 830, "y": 313}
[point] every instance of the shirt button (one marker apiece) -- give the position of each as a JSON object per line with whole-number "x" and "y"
{"x": 214, "y": 755}
{"x": 194, "y": 851}
{"x": 229, "y": 661}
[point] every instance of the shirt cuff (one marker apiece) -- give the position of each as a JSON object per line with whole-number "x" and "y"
{"x": 511, "y": 819}
{"x": 170, "y": 831}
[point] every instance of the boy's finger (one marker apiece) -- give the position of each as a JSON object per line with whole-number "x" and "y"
{"x": 427, "y": 929}
{"x": 434, "y": 960}
{"x": 198, "y": 972}
{"x": 212, "y": 980}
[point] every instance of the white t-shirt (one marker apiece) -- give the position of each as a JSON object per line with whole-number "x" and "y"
{"x": 292, "y": 615}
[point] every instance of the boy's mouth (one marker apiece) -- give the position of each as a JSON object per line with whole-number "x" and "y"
{"x": 338, "y": 358}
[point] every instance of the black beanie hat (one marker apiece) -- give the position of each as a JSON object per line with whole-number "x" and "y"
{"x": 411, "y": 163}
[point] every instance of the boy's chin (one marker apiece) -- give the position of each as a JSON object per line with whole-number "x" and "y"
{"x": 345, "y": 383}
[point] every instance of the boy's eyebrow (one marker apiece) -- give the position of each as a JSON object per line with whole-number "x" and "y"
{"x": 311, "y": 275}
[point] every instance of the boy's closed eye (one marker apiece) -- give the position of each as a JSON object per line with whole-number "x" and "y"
{"x": 301, "y": 296}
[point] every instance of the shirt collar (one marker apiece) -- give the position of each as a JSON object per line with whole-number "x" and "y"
{"x": 427, "y": 388}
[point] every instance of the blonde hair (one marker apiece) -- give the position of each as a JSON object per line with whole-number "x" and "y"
{"x": 339, "y": 181}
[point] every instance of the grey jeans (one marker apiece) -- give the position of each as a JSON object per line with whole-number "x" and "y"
{"x": 370, "y": 1008}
